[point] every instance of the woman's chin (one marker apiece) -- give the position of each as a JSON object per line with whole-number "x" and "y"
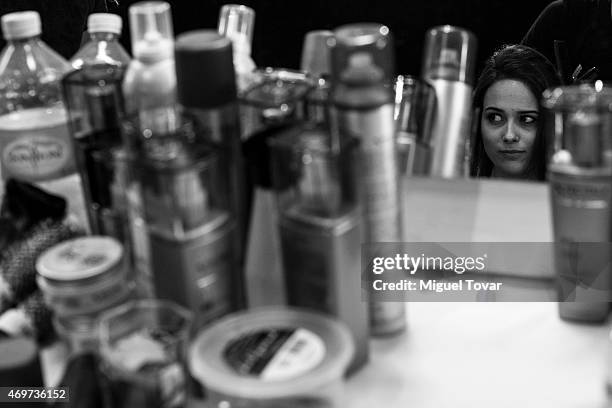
{"x": 513, "y": 170}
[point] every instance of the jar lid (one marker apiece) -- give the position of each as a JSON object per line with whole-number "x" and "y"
{"x": 271, "y": 353}
{"x": 80, "y": 258}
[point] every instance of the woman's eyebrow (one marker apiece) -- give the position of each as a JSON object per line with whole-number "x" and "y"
{"x": 493, "y": 108}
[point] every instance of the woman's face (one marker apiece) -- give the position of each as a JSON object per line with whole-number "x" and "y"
{"x": 509, "y": 127}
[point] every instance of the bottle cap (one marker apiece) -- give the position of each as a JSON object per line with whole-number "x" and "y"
{"x": 362, "y": 53}
{"x": 22, "y": 24}
{"x": 204, "y": 69}
{"x": 316, "y": 53}
{"x": 151, "y": 29}
{"x": 236, "y": 22}
{"x": 450, "y": 53}
{"x": 104, "y": 23}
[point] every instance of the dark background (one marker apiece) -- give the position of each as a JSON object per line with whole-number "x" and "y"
{"x": 280, "y": 25}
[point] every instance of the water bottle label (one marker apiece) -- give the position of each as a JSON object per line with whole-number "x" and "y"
{"x": 35, "y": 145}
{"x": 35, "y": 158}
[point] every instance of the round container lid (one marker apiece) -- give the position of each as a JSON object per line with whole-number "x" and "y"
{"x": 80, "y": 258}
{"x": 271, "y": 353}
{"x": 104, "y": 23}
{"x": 22, "y": 24}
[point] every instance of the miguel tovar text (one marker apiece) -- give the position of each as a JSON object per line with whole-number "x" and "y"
{"x": 435, "y": 286}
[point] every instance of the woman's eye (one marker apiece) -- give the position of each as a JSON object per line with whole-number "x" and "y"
{"x": 494, "y": 118}
{"x": 529, "y": 120}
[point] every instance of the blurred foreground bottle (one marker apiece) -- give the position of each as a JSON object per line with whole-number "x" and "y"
{"x": 580, "y": 177}
{"x": 190, "y": 183}
{"x": 319, "y": 212}
{"x": 95, "y": 106}
{"x": 274, "y": 104}
{"x": 35, "y": 143}
{"x": 149, "y": 91}
{"x": 236, "y": 22}
{"x": 363, "y": 107}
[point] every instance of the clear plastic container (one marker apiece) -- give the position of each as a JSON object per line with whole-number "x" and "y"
{"x": 103, "y": 47}
{"x": 273, "y": 357}
{"x": 142, "y": 351}
{"x": 35, "y": 144}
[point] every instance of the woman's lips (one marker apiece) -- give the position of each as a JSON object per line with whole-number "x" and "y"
{"x": 512, "y": 154}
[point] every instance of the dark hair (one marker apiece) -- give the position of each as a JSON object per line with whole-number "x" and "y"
{"x": 537, "y": 73}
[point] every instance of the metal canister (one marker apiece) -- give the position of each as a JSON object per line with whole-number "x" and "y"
{"x": 363, "y": 107}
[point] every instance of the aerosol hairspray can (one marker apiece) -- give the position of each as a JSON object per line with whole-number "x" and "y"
{"x": 449, "y": 65}
{"x": 580, "y": 174}
{"x": 363, "y": 104}
{"x": 206, "y": 88}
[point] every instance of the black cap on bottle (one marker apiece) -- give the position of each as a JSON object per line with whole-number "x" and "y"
{"x": 362, "y": 53}
{"x": 204, "y": 69}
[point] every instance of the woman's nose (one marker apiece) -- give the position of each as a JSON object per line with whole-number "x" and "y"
{"x": 511, "y": 135}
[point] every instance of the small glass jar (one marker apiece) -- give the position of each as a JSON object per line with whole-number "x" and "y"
{"x": 80, "y": 279}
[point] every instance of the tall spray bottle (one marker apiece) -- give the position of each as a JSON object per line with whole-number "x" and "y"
{"x": 449, "y": 65}
{"x": 319, "y": 212}
{"x": 363, "y": 108}
{"x": 149, "y": 90}
{"x": 35, "y": 143}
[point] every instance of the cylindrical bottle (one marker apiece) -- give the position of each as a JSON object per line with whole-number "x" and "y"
{"x": 207, "y": 91}
{"x": 414, "y": 109}
{"x": 320, "y": 228}
{"x": 275, "y": 104}
{"x": 580, "y": 175}
{"x": 236, "y": 22}
{"x": 362, "y": 66}
{"x": 449, "y": 66}
{"x": 35, "y": 143}
{"x": 149, "y": 90}
{"x": 95, "y": 106}
{"x": 184, "y": 191}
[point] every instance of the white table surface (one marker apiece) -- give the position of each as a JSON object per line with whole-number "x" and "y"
{"x": 473, "y": 355}
{"x": 485, "y": 355}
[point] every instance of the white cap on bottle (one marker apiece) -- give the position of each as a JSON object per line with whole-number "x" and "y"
{"x": 104, "y": 23}
{"x": 151, "y": 29}
{"x": 22, "y": 24}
